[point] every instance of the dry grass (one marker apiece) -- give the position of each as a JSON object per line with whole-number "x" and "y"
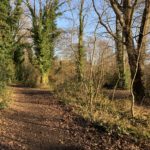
{"x": 5, "y": 98}
{"x": 114, "y": 115}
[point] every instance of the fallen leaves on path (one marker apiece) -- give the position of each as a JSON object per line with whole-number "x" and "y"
{"x": 38, "y": 121}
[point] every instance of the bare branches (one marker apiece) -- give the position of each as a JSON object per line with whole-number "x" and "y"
{"x": 101, "y": 21}
{"x": 133, "y": 8}
{"x": 117, "y": 9}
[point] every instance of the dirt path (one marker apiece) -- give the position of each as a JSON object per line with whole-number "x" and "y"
{"x": 37, "y": 121}
{"x": 34, "y": 121}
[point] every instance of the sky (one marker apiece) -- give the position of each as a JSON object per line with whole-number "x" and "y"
{"x": 70, "y": 19}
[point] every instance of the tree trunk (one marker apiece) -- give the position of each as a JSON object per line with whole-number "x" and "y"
{"x": 80, "y": 44}
{"x": 44, "y": 81}
{"x": 120, "y": 56}
{"x": 136, "y": 68}
{"x": 138, "y": 84}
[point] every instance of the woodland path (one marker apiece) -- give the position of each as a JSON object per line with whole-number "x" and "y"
{"x": 36, "y": 120}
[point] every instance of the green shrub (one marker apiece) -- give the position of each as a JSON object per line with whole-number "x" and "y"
{"x": 6, "y": 76}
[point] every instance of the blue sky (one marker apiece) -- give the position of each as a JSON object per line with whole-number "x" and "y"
{"x": 91, "y": 18}
{"x": 65, "y": 20}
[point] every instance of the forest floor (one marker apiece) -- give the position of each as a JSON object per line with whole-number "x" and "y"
{"x": 36, "y": 120}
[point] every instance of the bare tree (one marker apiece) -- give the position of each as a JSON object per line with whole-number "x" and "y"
{"x": 125, "y": 13}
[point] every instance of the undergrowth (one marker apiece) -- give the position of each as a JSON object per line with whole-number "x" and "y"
{"x": 114, "y": 115}
{"x": 5, "y": 98}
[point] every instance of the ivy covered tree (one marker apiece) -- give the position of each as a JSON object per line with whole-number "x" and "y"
{"x": 80, "y": 57}
{"x": 44, "y": 32}
{"x": 5, "y": 42}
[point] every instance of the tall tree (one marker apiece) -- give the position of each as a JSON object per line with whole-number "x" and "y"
{"x": 44, "y": 32}
{"x": 120, "y": 49}
{"x": 80, "y": 52}
{"x": 135, "y": 54}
